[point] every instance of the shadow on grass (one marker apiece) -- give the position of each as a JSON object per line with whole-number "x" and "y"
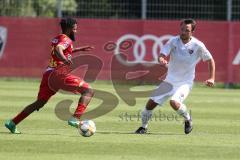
{"x": 27, "y": 133}
{"x": 98, "y": 132}
{"x": 132, "y": 133}
{"x": 5, "y": 133}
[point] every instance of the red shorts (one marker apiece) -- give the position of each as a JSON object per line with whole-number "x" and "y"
{"x": 52, "y": 82}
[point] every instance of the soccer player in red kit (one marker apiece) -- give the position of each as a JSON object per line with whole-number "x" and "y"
{"x": 62, "y": 49}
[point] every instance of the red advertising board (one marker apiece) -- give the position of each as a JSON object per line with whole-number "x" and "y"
{"x": 25, "y": 45}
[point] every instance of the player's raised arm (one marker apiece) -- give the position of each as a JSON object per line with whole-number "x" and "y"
{"x": 84, "y": 48}
{"x": 165, "y": 51}
{"x": 211, "y": 67}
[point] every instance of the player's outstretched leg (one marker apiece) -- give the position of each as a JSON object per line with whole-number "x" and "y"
{"x": 84, "y": 100}
{"x": 146, "y": 116}
{"x": 11, "y": 124}
{"x": 181, "y": 109}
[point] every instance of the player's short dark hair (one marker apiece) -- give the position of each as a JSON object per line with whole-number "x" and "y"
{"x": 189, "y": 21}
{"x": 67, "y": 23}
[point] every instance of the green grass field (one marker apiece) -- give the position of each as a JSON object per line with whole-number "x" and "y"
{"x": 216, "y": 134}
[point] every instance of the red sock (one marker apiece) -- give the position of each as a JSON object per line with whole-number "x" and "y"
{"x": 79, "y": 110}
{"x": 21, "y": 116}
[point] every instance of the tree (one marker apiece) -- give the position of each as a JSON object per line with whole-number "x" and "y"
{"x": 33, "y": 8}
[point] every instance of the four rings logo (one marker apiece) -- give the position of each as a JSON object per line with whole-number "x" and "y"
{"x": 3, "y": 39}
{"x": 140, "y": 48}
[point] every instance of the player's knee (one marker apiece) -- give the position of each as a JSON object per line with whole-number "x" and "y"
{"x": 174, "y": 104}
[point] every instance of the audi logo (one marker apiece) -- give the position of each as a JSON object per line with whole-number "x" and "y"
{"x": 139, "y": 48}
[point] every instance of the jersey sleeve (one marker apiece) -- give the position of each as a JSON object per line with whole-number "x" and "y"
{"x": 166, "y": 49}
{"x": 204, "y": 53}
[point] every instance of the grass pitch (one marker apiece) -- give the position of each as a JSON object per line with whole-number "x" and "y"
{"x": 216, "y": 133}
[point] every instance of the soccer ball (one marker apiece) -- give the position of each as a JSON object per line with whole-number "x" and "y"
{"x": 87, "y": 128}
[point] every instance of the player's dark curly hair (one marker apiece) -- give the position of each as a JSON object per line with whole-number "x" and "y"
{"x": 67, "y": 23}
{"x": 189, "y": 21}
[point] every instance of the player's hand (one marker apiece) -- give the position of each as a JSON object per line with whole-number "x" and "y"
{"x": 162, "y": 61}
{"x": 209, "y": 82}
{"x": 87, "y": 48}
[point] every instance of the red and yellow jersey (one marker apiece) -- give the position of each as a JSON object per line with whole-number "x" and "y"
{"x": 66, "y": 43}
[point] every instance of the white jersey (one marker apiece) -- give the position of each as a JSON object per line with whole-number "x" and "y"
{"x": 183, "y": 59}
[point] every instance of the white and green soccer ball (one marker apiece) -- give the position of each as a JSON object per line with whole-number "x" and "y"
{"x": 87, "y": 128}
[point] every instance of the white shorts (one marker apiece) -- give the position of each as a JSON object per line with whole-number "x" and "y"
{"x": 165, "y": 90}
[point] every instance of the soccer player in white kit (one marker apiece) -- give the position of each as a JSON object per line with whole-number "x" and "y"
{"x": 185, "y": 52}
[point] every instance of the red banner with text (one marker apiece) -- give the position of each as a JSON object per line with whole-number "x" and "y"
{"x": 123, "y": 48}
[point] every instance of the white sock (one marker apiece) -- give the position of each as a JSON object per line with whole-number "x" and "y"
{"x": 146, "y": 116}
{"x": 182, "y": 111}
